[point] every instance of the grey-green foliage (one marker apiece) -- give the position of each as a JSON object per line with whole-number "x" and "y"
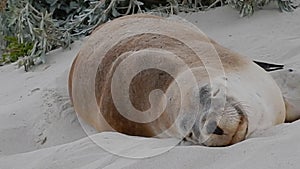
{"x": 28, "y": 24}
{"x": 246, "y": 7}
{"x": 50, "y": 24}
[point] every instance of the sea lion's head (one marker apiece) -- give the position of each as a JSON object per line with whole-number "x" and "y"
{"x": 222, "y": 120}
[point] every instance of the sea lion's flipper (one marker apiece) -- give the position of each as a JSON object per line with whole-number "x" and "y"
{"x": 269, "y": 66}
{"x": 288, "y": 81}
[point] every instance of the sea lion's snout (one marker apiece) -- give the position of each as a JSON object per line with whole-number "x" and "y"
{"x": 213, "y": 128}
{"x": 225, "y": 126}
{"x": 222, "y": 120}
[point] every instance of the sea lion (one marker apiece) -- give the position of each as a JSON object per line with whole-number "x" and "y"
{"x": 149, "y": 76}
{"x": 288, "y": 80}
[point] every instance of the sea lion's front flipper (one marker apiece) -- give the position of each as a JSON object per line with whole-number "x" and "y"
{"x": 269, "y": 66}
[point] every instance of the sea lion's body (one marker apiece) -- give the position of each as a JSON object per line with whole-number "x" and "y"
{"x": 227, "y": 98}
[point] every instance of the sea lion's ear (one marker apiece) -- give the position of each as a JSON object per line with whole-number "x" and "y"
{"x": 205, "y": 95}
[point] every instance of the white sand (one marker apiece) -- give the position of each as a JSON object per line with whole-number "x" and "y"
{"x": 39, "y": 129}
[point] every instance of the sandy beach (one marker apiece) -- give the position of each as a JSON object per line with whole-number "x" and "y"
{"x": 40, "y": 130}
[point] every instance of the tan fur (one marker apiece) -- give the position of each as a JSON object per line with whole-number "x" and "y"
{"x": 92, "y": 70}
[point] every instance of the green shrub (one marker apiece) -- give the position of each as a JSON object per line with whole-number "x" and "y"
{"x": 31, "y": 28}
{"x": 38, "y": 27}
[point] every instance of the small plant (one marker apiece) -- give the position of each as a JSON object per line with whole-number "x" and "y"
{"x": 15, "y": 50}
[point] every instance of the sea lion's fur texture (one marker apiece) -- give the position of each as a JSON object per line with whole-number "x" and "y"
{"x": 223, "y": 107}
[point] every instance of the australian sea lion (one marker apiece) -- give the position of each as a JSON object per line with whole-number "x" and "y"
{"x": 149, "y": 76}
{"x": 288, "y": 80}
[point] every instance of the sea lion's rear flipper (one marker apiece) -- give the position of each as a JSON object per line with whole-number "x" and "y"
{"x": 269, "y": 66}
{"x": 288, "y": 80}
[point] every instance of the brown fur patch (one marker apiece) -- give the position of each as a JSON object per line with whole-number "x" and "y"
{"x": 231, "y": 61}
{"x": 141, "y": 85}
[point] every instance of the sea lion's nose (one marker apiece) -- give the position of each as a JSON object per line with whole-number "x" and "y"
{"x": 213, "y": 128}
